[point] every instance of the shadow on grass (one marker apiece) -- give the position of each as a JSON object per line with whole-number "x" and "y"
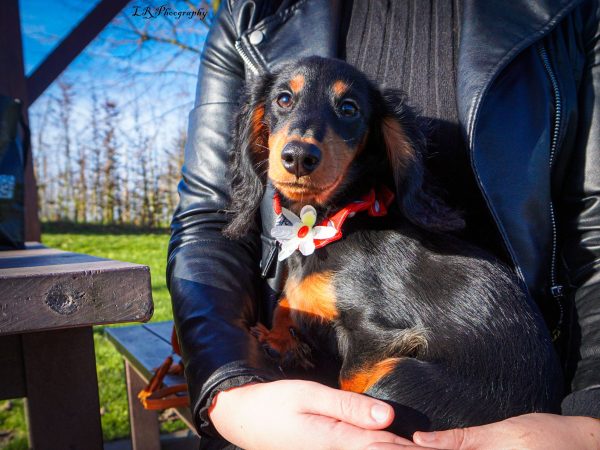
{"x": 98, "y": 228}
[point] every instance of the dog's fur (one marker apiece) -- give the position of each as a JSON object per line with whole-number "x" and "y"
{"x": 414, "y": 315}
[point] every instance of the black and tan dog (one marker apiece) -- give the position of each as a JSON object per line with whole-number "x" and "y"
{"x": 415, "y": 316}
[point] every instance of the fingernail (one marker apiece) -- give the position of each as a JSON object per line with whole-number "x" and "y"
{"x": 425, "y": 438}
{"x": 380, "y": 412}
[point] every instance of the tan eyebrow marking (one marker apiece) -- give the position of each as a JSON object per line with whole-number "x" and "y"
{"x": 297, "y": 83}
{"x": 259, "y": 129}
{"x": 339, "y": 88}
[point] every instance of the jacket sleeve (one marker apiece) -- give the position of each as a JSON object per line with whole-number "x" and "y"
{"x": 213, "y": 281}
{"x": 581, "y": 223}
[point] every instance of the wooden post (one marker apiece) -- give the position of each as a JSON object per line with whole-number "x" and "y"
{"x": 12, "y": 373}
{"x": 14, "y": 84}
{"x": 62, "y": 390}
{"x": 145, "y": 433}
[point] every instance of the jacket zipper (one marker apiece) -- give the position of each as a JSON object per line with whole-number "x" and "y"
{"x": 269, "y": 261}
{"x": 246, "y": 58}
{"x": 556, "y": 289}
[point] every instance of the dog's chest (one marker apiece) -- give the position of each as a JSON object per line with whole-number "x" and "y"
{"x": 311, "y": 297}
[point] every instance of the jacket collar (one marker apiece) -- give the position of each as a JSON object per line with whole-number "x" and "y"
{"x": 305, "y": 28}
{"x": 487, "y": 44}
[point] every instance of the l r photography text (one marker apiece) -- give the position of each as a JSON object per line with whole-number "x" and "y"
{"x": 148, "y": 12}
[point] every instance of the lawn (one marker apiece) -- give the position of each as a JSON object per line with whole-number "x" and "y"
{"x": 147, "y": 247}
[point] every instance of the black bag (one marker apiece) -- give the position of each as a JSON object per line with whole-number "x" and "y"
{"x": 14, "y": 138}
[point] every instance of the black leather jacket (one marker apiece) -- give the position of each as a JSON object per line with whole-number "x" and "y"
{"x": 529, "y": 101}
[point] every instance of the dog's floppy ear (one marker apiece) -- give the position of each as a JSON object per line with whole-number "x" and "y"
{"x": 248, "y": 164}
{"x": 405, "y": 146}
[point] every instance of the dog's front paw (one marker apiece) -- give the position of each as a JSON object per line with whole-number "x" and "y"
{"x": 260, "y": 332}
{"x": 283, "y": 346}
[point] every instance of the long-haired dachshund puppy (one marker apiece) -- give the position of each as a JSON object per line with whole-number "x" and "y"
{"x": 376, "y": 278}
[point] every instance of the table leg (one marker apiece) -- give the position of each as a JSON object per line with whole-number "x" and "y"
{"x": 12, "y": 373}
{"x": 145, "y": 433}
{"x": 62, "y": 390}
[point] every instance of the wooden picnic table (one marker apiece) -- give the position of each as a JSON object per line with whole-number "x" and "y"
{"x": 49, "y": 301}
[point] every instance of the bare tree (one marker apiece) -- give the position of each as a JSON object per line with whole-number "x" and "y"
{"x": 90, "y": 167}
{"x": 96, "y": 160}
{"x": 110, "y": 193}
{"x": 81, "y": 186}
{"x": 44, "y": 180}
{"x": 65, "y": 176}
{"x": 175, "y": 156}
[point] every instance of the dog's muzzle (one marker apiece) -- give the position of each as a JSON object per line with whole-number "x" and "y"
{"x": 300, "y": 158}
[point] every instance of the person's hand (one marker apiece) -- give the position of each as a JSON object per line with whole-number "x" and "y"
{"x": 295, "y": 414}
{"x": 530, "y": 431}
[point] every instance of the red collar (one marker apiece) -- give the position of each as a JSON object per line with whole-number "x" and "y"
{"x": 376, "y": 203}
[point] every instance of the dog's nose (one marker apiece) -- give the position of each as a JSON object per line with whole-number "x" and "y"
{"x": 300, "y": 158}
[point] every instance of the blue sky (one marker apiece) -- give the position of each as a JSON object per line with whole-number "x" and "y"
{"x": 117, "y": 49}
{"x": 153, "y": 83}
{"x": 45, "y": 22}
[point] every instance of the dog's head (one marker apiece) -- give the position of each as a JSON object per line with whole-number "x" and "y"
{"x": 323, "y": 134}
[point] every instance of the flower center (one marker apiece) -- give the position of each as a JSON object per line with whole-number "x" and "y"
{"x": 303, "y": 231}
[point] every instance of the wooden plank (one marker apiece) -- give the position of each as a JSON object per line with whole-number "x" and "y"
{"x": 12, "y": 373}
{"x": 145, "y": 433}
{"x": 31, "y": 249}
{"x": 62, "y": 390}
{"x": 143, "y": 349}
{"x": 44, "y": 293}
{"x": 14, "y": 84}
{"x": 72, "y": 45}
{"x": 79, "y": 264}
{"x": 161, "y": 329}
{"x": 27, "y": 262}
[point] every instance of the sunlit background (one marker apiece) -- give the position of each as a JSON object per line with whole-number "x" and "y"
{"x": 108, "y": 135}
{"x": 107, "y": 144}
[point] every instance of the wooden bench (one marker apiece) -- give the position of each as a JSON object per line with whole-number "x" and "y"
{"x": 49, "y": 301}
{"x": 144, "y": 348}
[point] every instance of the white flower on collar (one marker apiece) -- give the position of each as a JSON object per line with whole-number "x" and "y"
{"x": 301, "y": 234}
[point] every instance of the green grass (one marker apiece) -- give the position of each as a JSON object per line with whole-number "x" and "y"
{"x": 147, "y": 247}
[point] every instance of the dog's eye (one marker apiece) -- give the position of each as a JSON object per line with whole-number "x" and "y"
{"x": 284, "y": 100}
{"x": 348, "y": 108}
